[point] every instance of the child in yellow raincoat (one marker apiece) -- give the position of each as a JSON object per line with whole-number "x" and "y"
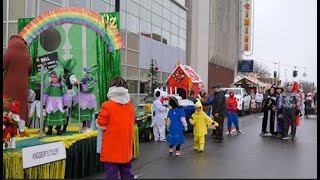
{"x": 200, "y": 121}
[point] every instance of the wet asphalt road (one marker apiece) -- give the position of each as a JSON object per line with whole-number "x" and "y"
{"x": 238, "y": 156}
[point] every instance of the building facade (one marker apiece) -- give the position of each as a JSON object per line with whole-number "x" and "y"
{"x": 213, "y": 40}
{"x": 150, "y": 29}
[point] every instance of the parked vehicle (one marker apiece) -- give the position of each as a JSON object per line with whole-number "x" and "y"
{"x": 243, "y": 99}
{"x": 143, "y": 121}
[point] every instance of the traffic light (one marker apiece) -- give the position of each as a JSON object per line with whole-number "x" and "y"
{"x": 295, "y": 73}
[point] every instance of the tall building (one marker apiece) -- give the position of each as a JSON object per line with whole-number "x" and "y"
{"x": 213, "y": 40}
{"x": 150, "y": 29}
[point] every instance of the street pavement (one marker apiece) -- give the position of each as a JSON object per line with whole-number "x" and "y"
{"x": 238, "y": 156}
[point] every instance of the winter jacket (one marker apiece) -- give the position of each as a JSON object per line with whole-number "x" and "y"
{"x": 219, "y": 103}
{"x": 117, "y": 118}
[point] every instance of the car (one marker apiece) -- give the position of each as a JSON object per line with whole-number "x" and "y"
{"x": 242, "y": 97}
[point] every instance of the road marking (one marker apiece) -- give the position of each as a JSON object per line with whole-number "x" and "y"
{"x": 260, "y": 117}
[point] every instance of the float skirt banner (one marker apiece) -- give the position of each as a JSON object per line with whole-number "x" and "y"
{"x": 42, "y": 154}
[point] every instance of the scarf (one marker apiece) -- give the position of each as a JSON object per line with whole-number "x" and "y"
{"x": 119, "y": 95}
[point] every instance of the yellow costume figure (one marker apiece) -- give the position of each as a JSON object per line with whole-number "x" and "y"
{"x": 200, "y": 121}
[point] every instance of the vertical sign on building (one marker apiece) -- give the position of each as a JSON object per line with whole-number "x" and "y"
{"x": 246, "y": 24}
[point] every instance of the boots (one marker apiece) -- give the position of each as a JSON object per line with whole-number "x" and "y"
{"x": 58, "y": 128}
{"x": 49, "y": 132}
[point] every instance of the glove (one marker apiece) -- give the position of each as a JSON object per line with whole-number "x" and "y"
{"x": 65, "y": 107}
{"x": 185, "y": 128}
{"x": 273, "y": 109}
{"x": 168, "y": 128}
{"x": 280, "y": 116}
{"x": 216, "y": 115}
{"x": 297, "y": 112}
{"x": 215, "y": 123}
{"x": 44, "y": 106}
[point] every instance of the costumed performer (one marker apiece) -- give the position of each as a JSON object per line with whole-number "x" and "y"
{"x": 17, "y": 66}
{"x": 86, "y": 99}
{"x": 158, "y": 116}
{"x": 55, "y": 101}
{"x": 289, "y": 103}
{"x": 68, "y": 68}
{"x": 279, "y": 119}
{"x": 200, "y": 121}
{"x": 232, "y": 107}
{"x": 176, "y": 124}
{"x": 269, "y": 110}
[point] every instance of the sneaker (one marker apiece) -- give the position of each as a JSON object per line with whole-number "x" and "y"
{"x": 163, "y": 140}
{"x": 240, "y": 132}
{"x": 229, "y": 133}
{"x": 177, "y": 153}
{"x": 170, "y": 150}
{"x": 294, "y": 138}
{"x": 200, "y": 150}
{"x": 285, "y": 138}
{"x": 83, "y": 129}
{"x": 262, "y": 134}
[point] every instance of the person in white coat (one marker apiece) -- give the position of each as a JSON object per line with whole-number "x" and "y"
{"x": 158, "y": 116}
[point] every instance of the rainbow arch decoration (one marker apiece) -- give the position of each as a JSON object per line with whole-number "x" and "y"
{"x": 74, "y": 15}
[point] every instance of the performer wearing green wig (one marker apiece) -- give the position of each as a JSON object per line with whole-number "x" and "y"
{"x": 68, "y": 67}
{"x": 86, "y": 99}
{"x": 55, "y": 101}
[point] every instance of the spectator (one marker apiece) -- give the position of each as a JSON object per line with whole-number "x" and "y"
{"x": 116, "y": 118}
{"x": 218, "y": 111}
{"x": 259, "y": 99}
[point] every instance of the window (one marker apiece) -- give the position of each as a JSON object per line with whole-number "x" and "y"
{"x": 133, "y": 8}
{"x": 145, "y": 28}
{"x": 4, "y": 10}
{"x": 133, "y": 86}
{"x": 145, "y": 14}
{"x": 123, "y": 37}
{"x": 183, "y": 13}
{"x": 45, "y": 6}
{"x": 156, "y": 20}
{"x": 174, "y": 19}
{"x": 16, "y": 9}
{"x": 157, "y": 8}
{"x": 133, "y": 24}
{"x": 182, "y": 33}
{"x": 166, "y": 14}
{"x": 175, "y": 9}
{"x": 165, "y": 24}
{"x": 146, "y": 3}
{"x": 79, "y": 3}
{"x": 133, "y": 59}
{"x": 166, "y": 4}
{"x": 174, "y": 40}
{"x": 156, "y": 33}
{"x": 142, "y": 89}
{"x": 144, "y": 74}
{"x": 4, "y": 34}
{"x": 123, "y": 54}
{"x": 123, "y": 16}
{"x": 13, "y": 29}
{"x": 123, "y": 4}
{"x": 100, "y": 6}
{"x": 123, "y": 71}
{"x": 166, "y": 37}
{"x": 174, "y": 29}
{"x": 182, "y": 44}
{"x": 182, "y": 23}
{"x": 133, "y": 41}
{"x": 132, "y": 72}
{"x": 31, "y": 8}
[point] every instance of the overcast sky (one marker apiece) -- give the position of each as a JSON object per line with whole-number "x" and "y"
{"x": 286, "y": 31}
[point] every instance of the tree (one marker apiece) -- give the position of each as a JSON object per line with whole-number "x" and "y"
{"x": 259, "y": 69}
{"x": 152, "y": 82}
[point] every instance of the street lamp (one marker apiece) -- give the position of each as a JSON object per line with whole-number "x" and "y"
{"x": 154, "y": 67}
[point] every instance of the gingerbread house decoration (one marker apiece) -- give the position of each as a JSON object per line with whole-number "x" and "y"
{"x": 183, "y": 80}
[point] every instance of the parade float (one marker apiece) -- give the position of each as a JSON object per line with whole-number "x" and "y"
{"x": 72, "y": 154}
